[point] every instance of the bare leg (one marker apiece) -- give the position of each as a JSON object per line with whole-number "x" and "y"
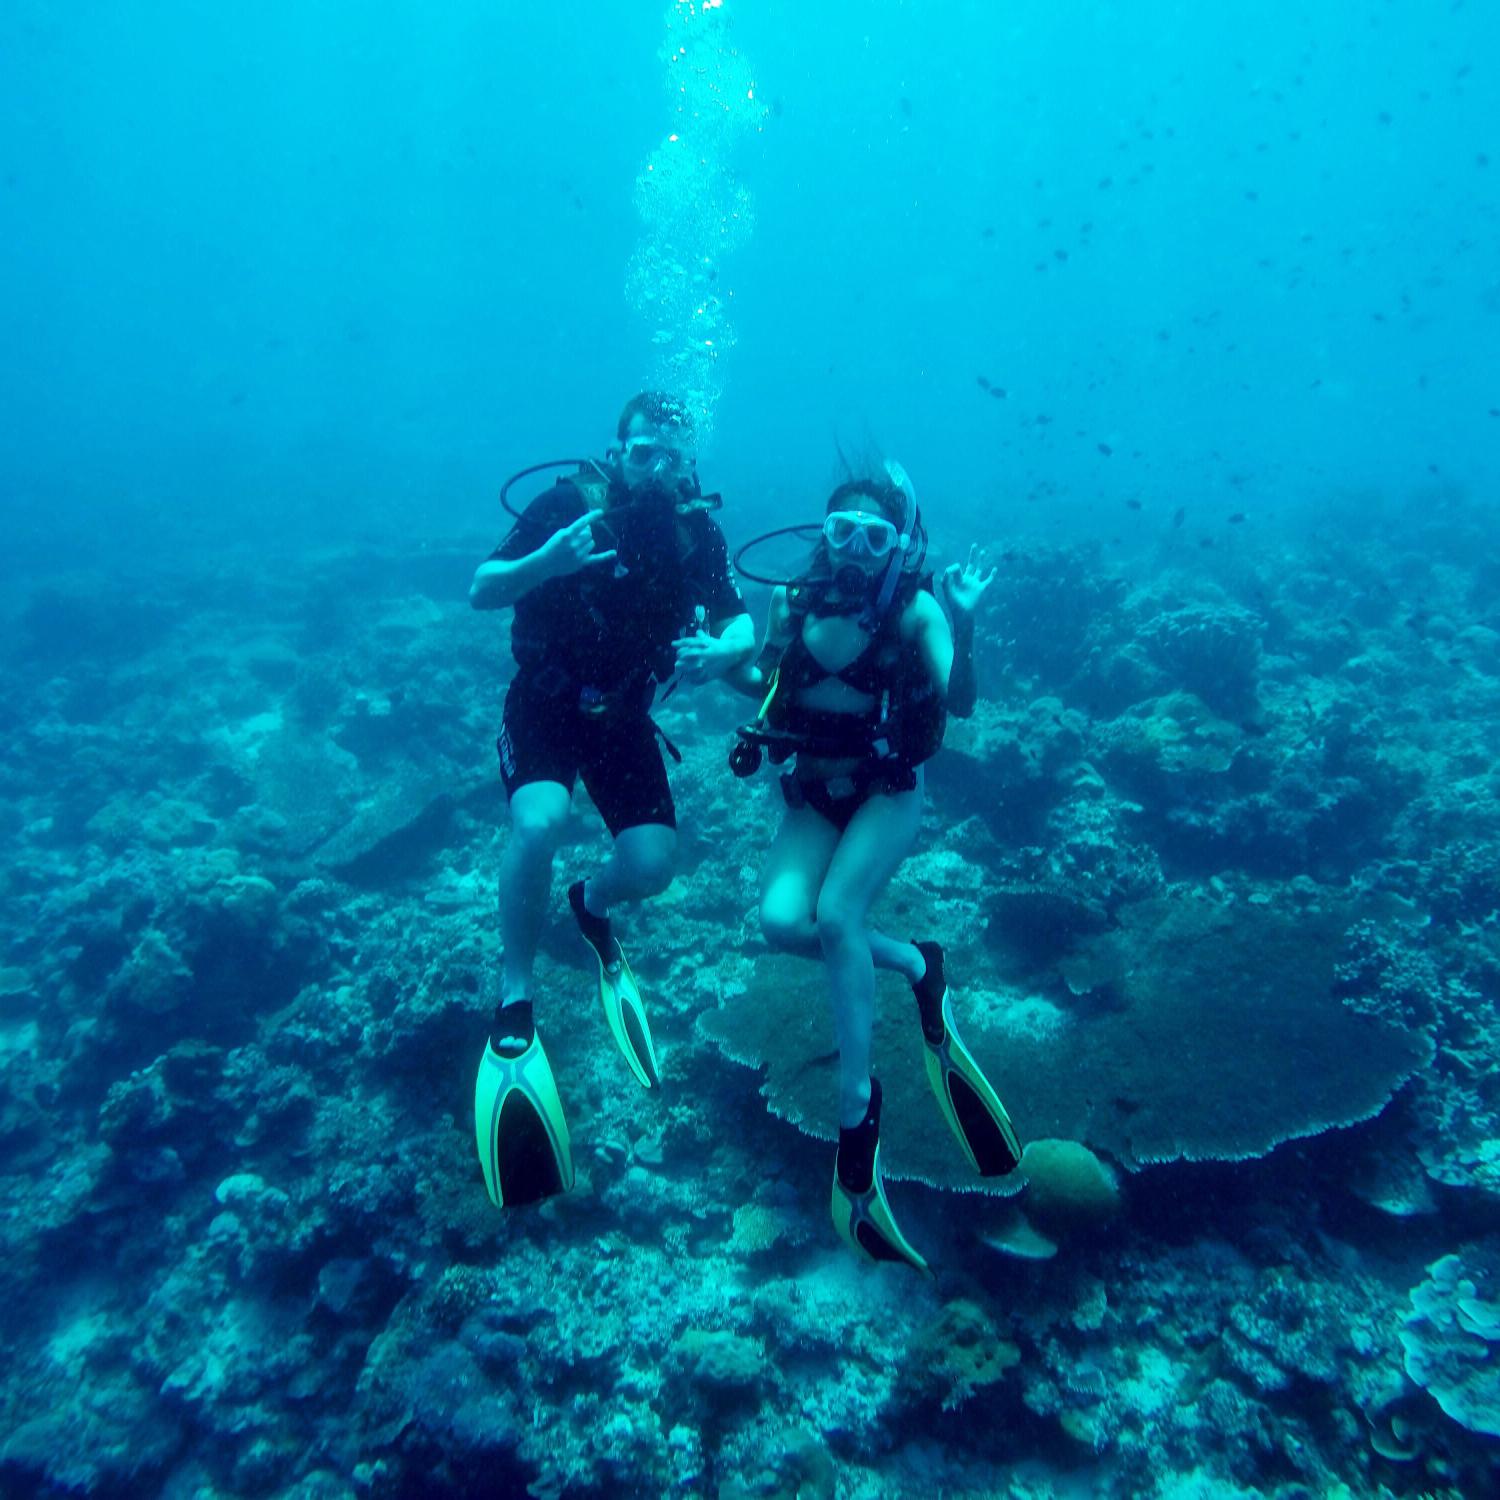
{"x": 538, "y": 815}
{"x": 869, "y": 853}
{"x": 795, "y": 867}
{"x": 640, "y": 865}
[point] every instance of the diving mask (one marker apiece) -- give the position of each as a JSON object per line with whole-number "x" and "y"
{"x": 645, "y": 455}
{"x": 859, "y": 533}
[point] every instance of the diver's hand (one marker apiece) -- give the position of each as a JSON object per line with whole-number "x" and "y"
{"x": 572, "y": 549}
{"x": 964, "y": 586}
{"x": 701, "y": 658}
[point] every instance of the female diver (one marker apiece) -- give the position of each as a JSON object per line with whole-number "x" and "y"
{"x": 859, "y": 671}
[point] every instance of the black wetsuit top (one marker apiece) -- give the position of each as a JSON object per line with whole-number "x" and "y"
{"x": 611, "y": 625}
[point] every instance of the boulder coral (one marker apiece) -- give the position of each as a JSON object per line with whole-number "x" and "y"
{"x": 1068, "y": 1187}
{"x": 1212, "y": 650}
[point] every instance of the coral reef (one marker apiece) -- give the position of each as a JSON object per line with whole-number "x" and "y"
{"x": 1449, "y": 1337}
{"x": 1215, "y": 864}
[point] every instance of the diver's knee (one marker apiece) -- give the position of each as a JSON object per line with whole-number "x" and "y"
{"x": 537, "y": 831}
{"x": 838, "y": 923}
{"x": 783, "y": 926}
{"x": 649, "y": 871}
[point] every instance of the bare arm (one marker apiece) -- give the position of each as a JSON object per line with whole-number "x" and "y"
{"x": 738, "y": 635}
{"x": 751, "y": 677}
{"x": 963, "y": 587}
{"x": 720, "y": 653}
{"x": 926, "y": 626}
{"x": 499, "y": 582}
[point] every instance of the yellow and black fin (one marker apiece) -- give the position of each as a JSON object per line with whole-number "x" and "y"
{"x": 519, "y": 1126}
{"x": 967, "y": 1099}
{"x": 618, "y": 993}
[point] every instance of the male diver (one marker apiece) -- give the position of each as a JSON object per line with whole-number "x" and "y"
{"x": 859, "y": 671}
{"x": 620, "y": 582}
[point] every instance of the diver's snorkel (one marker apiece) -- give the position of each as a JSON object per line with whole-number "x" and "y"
{"x": 874, "y": 610}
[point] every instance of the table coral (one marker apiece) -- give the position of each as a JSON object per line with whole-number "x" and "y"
{"x": 1195, "y": 1010}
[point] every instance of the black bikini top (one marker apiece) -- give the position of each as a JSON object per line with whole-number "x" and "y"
{"x": 876, "y": 669}
{"x": 871, "y": 673}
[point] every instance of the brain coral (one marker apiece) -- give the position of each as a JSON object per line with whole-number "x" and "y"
{"x": 1067, "y": 1186}
{"x": 1204, "y": 1032}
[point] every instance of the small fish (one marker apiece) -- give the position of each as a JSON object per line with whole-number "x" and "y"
{"x": 904, "y": 105}
{"x": 1237, "y": 518}
{"x": 998, "y": 392}
{"x": 1104, "y": 448}
{"x": 1132, "y": 505}
{"x": 1179, "y": 516}
{"x": 1495, "y": 411}
{"x": 983, "y": 382}
{"x": 1205, "y": 541}
{"x": 1042, "y": 419}
{"x": 988, "y": 232}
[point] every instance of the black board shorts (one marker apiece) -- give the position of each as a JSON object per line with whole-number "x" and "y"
{"x": 547, "y": 737}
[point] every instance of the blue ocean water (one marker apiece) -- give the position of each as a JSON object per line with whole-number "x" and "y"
{"x": 1187, "y": 314}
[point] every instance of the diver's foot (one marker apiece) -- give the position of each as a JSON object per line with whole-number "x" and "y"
{"x": 597, "y": 932}
{"x": 618, "y": 992}
{"x": 514, "y": 1029}
{"x": 857, "y": 1145}
{"x": 861, "y": 1213}
{"x": 930, "y": 990}
{"x": 519, "y": 1126}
